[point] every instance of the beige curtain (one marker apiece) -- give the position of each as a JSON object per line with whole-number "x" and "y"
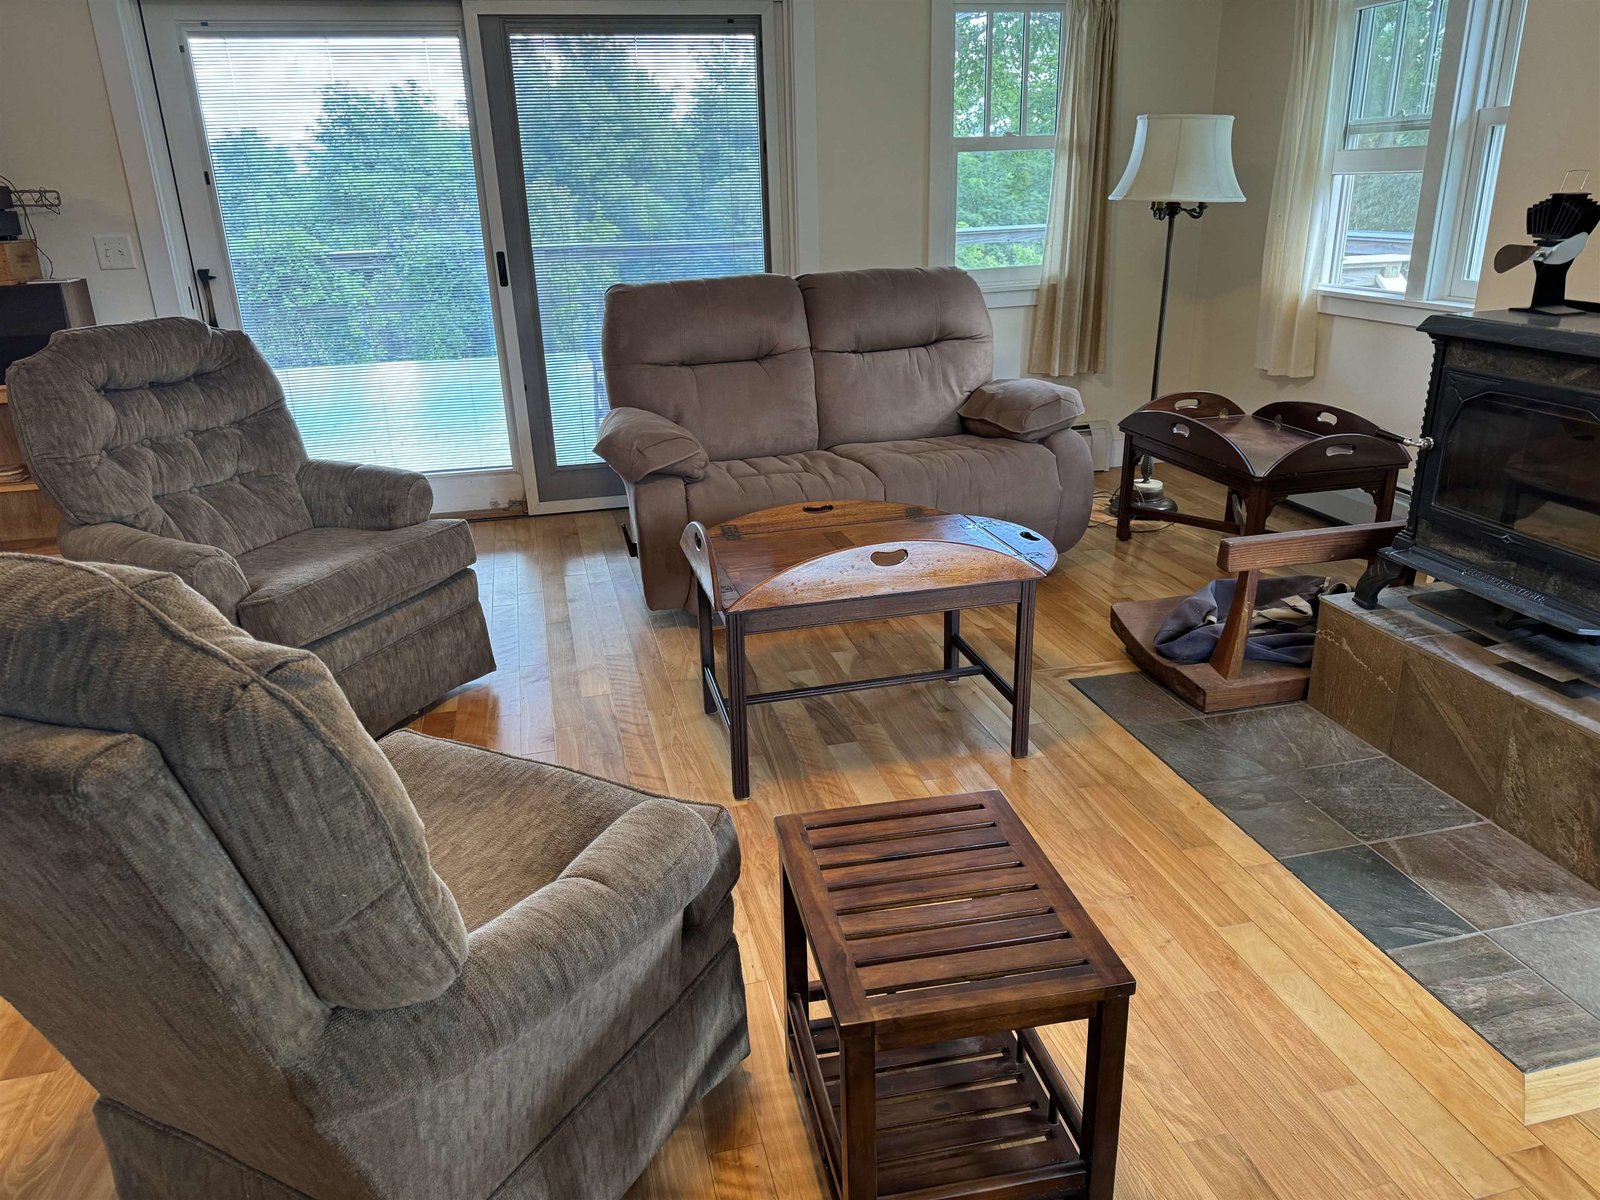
{"x": 1069, "y": 323}
{"x": 1286, "y": 330}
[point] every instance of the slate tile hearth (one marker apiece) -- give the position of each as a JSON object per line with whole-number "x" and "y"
{"x": 1563, "y": 951}
{"x": 1521, "y": 1014}
{"x": 1369, "y": 892}
{"x": 1504, "y": 937}
{"x": 1489, "y": 877}
{"x": 1277, "y": 817}
{"x": 1377, "y": 798}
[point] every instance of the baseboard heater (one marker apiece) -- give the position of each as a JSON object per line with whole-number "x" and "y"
{"x": 1103, "y": 447}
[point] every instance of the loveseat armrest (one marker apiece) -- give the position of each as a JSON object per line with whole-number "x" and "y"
{"x": 209, "y": 570}
{"x": 1027, "y": 410}
{"x": 636, "y": 442}
{"x": 363, "y": 496}
{"x": 627, "y": 888}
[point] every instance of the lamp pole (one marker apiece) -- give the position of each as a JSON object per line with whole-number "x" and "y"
{"x": 1147, "y": 493}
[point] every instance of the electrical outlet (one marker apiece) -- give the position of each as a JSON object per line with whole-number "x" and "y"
{"x": 114, "y": 252}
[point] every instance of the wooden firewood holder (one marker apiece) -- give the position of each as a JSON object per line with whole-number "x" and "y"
{"x": 1228, "y": 680}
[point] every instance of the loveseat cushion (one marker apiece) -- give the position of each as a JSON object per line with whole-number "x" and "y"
{"x": 991, "y": 477}
{"x": 1029, "y": 410}
{"x": 728, "y": 359}
{"x": 731, "y": 489}
{"x": 311, "y": 583}
{"x": 896, "y": 351}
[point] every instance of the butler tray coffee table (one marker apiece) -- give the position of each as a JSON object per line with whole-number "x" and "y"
{"x": 943, "y": 936}
{"x": 801, "y": 565}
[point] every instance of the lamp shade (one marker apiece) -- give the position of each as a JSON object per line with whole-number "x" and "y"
{"x": 1186, "y": 158}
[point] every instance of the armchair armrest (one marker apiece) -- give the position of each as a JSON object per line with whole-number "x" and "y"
{"x": 362, "y": 496}
{"x": 209, "y": 570}
{"x": 636, "y": 442}
{"x": 1028, "y": 410}
{"x": 630, "y": 885}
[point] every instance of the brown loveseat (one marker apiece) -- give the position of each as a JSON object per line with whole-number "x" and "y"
{"x": 730, "y": 395}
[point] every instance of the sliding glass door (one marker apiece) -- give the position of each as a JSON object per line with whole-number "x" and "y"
{"x": 629, "y": 150}
{"x": 420, "y": 238}
{"x": 330, "y": 193}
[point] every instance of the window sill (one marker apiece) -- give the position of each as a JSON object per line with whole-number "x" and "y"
{"x": 1392, "y": 310}
{"x": 1010, "y": 295}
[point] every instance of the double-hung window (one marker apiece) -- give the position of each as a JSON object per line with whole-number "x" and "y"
{"x": 996, "y": 81}
{"x": 1421, "y": 91}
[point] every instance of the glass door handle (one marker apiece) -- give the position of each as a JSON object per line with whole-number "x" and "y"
{"x": 204, "y": 278}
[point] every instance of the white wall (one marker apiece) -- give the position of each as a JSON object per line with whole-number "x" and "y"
{"x": 872, "y": 132}
{"x": 56, "y": 132}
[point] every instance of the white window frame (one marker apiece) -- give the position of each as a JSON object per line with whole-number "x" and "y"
{"x": 1002, "y": 286}
{"x": 1472, "y": 98}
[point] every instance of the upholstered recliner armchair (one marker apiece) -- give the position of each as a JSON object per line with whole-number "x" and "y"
{"x": 734, "y": 394}
{"x": 218, "y": 901}
{"x": 168, "y": 445}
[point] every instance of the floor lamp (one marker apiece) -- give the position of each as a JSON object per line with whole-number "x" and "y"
{"x": 1180, "y": 164}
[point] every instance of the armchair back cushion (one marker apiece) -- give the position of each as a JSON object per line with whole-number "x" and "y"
{"x": 168, "y": 426}
{"x": 269, "y": 754}
{"x": 896, "y": 351}
{"x": 728, "y": 359}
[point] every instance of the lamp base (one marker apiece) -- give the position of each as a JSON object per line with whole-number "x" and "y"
{"x": 1150, "y": 493}
{"x": 1147, "y": 493}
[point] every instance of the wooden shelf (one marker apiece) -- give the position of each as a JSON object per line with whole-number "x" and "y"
{"x": 27, "y": 485}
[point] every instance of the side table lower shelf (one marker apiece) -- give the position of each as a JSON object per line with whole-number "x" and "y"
{"x": 979, "y": 1116}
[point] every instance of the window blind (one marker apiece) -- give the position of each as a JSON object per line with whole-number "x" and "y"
{"x": 344, "y": 176}
{"x": 642, "y": 160}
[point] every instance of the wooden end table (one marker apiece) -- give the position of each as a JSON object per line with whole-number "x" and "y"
{"x": 1288, "y": 448}
{"x": 802, "y": 565}
{"x": 943, "y": 936}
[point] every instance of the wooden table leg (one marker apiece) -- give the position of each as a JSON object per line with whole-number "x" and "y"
{"x": 738, "y": 708}
{"x": 708, "y": 652}
{"x": 1257, "y": 508}
{"x": 795, "y": 981}
{"x": 1022, "y": 673}
{"x": 858, "y": 1114}
{"x": 1102, "y": 1096}
{"x": 952, "y": 629}
{"x": 1130, "y": 458}
{"x": 1385, "y": 497}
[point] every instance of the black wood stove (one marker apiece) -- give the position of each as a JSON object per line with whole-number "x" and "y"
{"x": 1506, "y": 501}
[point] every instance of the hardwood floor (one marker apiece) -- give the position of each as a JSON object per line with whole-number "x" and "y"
{"x": 1274, "y": 1053}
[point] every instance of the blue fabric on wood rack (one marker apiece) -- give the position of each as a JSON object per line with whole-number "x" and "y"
{"x": 1283, "y": 630}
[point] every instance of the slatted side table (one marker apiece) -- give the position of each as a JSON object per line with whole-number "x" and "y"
{"x": 942, "y": 937}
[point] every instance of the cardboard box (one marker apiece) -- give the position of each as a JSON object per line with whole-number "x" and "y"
{"x": 19, "y": 261}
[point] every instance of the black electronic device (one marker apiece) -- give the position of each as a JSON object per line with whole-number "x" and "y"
{"x": 31, "y": 312}
{"x": 10, "y": 218}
